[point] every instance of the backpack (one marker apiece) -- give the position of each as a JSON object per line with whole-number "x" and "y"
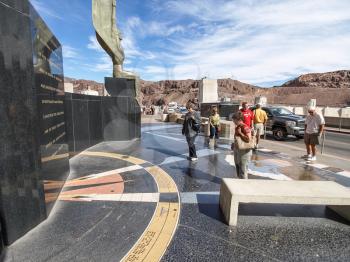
{"x": 196, "y": 123}
{"x": 195, "y": 126}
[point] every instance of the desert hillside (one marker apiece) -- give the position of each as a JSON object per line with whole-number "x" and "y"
{"x": 330, "y": 89}
{"x": 338, "y": 79}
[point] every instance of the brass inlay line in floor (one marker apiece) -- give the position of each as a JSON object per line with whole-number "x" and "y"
{"x": 155, "y": 240}
{"x": 55, "y": 157}
{"x": 160, "y": 231}
{"x": 165, "y": 183}
{"x": 130, "y": 159}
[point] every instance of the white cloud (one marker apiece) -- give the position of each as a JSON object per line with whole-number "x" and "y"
{"x": 94, "y": 44}
{"x": 69, "y": 52}
{"x": 43, "y": 9}
{"x": 257, "y": 40}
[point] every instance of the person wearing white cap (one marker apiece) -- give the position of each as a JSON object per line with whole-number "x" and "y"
{"x": 314, "y": 126}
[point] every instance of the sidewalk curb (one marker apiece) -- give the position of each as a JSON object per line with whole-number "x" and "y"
{"x": 347, "y": 132}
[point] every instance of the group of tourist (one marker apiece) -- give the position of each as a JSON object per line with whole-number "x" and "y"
{"x": 249, "y": 127}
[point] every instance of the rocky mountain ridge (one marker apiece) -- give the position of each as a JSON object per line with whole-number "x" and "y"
{"x": 337, "y": 79}
{"x": 330, "y": 89}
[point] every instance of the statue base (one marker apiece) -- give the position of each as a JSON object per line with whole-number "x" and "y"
{"x": 122, "y": 116}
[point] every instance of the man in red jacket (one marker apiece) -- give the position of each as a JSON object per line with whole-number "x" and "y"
{"x": 248, "y": 115}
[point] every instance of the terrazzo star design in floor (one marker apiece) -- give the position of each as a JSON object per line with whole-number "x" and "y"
{"x": 122, "y": 202}
{"x": 109, "y": 186}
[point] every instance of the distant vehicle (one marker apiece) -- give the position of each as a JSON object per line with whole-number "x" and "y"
{"x": 283, "y": 122}
{"x": 172, "y": 107}
{"x": 171, "y": 110}
{"x": 182, "y": 110}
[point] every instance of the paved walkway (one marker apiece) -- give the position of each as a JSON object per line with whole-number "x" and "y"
{"x": 144, "y": 201}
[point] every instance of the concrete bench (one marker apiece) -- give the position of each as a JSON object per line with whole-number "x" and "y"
{"x": 235, "y": 191}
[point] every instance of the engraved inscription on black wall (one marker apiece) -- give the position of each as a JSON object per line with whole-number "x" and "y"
{"x": 49, "y": 85}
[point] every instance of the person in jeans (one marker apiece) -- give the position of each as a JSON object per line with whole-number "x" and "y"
{"x": 260, "y": 119}
{"x": 190, "y": 129}
{"x": 314, "y": 126}
{"x": 214, "y": 122}
{"x": 242, "y": 157}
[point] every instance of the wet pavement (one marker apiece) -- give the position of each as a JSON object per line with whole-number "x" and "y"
{"x": 144, "y": 201}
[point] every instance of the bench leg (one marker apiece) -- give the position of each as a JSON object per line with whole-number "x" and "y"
{"x": 233, "y": 213}
{"x": 343, "y": 211}
{"x": 228, "y": 205}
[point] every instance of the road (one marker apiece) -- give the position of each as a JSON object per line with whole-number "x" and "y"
{"x": 336, "y": 144}
{"x": 336, "y": 148}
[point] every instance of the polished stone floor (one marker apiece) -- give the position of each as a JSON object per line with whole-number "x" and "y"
{"x": 144, "y": 201}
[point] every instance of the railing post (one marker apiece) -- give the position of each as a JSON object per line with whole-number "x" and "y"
{"x": 323, "y": 142}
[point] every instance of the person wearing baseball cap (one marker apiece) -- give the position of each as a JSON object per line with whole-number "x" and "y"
{"x": 314, "y": 126}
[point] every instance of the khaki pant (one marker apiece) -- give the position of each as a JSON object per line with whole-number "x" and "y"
{"x": 242, "y": 158}
{"x": 259, "y": 128}
{"x": 311, "y": 139}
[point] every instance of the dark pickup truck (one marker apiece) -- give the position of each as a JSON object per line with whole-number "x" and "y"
{"x": 283, "y": 122}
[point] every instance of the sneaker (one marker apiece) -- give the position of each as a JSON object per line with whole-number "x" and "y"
{"x": 312, "y": 158}
{"x": 307, "y": 156}
{"x": 194, "y": 158}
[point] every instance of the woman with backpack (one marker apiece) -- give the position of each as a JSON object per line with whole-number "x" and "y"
{"x": 190, "y": 129}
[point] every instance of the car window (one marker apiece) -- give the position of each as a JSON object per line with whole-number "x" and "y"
{"x": 267, "y": 112}
{"x": 280, "y": 111}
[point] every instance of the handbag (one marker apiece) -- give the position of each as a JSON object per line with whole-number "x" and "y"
{"x": 241, "y": 145}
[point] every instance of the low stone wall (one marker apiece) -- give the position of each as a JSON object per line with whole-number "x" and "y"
{"x": 227, "y": 128}
{"x": 334, "y": 116}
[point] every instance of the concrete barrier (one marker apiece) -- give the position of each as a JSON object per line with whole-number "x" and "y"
{"x": 345, "y": 113}
{"x": 165, "y": 117}
{"x": 227, "y": 128}
{"x": 173, "y": 117}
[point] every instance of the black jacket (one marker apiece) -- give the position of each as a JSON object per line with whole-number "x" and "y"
{"x": 191, "y": 119}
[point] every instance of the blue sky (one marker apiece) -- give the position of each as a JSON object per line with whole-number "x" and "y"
{"x": 262, "y": 42}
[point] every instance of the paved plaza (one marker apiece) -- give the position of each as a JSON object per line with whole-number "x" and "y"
{"x": 143, "y": 200}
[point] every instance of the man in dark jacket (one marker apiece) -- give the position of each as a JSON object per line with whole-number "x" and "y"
{"x": 190, "y": 129}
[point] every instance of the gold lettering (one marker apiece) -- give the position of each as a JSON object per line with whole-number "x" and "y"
{"x": 51, "y": 102}
{"x": 53, "y": 115}
{"x": 55, "y": 140}
{"x": 53, "y": 128}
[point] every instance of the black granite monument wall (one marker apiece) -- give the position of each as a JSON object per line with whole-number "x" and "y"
{"x": 122, "y": 120}
{"x": 226, "y": 109}
{"x": 22, "y": 204}
{"x": 40, "y": 124}
{"x": 33, "y": 147}
{"x": 49, "y": 86}
{"x": 93, "y": 119}
{"x": 1, "y": 243}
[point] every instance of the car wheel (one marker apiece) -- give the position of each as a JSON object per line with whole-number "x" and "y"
{"x": 279, "y": 133}
{"x": 300, "y": 136}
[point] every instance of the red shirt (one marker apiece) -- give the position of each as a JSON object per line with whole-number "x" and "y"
{"x": 244, "y": 129}
{"x": 248, "y": 117}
